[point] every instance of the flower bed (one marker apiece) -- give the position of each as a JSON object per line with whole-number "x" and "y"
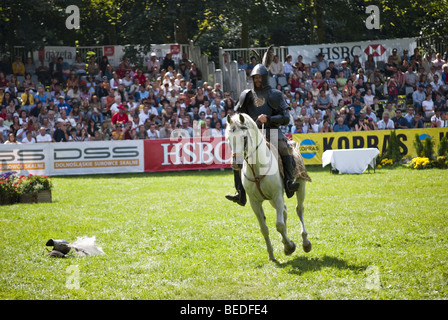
{"x": 25, "y": 189}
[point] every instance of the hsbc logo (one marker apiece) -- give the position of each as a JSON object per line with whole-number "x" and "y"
{"x": 376, "y": 50}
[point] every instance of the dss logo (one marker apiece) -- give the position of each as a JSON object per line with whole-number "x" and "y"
{"x": 95, "y": 153}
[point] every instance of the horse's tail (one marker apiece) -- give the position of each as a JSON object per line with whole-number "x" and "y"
{"x": 300, "y": 169}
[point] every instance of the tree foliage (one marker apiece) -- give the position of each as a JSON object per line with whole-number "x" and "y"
{"x": 214, "y": 23}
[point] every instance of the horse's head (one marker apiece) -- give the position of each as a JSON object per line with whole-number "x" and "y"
{"x": 240, "y": 133}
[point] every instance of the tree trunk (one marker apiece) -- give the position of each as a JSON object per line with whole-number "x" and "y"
{"x": 244, "y": 33}
{"x": 181, "y": 30}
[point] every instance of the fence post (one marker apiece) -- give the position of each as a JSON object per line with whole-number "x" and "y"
{"x": 234, "y": 79}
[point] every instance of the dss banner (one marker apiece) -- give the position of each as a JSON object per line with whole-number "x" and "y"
{"x": 186, "y": 154}
{"x": 314, "y": 144}
{"x": 73, "y": 158}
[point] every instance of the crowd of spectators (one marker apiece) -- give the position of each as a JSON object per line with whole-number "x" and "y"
{"x": 91, "y": 101}
{"x": 407, "y": 91}
{"x": 94, "y": 101}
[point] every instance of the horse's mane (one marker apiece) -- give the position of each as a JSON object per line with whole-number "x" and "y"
{"x": 248, "y": 121}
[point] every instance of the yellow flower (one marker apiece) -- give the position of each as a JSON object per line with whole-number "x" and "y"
{"x": 379, "y": 166}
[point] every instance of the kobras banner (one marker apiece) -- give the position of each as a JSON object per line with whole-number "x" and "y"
{"x": 313, "y": 145}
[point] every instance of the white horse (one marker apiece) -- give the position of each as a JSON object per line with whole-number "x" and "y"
{"x": 262, "y": 180}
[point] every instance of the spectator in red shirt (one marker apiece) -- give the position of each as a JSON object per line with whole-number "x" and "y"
{"x": 140, "y": 76}
{"x": 121, "y": 117}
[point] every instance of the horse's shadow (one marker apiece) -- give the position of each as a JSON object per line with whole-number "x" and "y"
{"x": 302, "y": 264}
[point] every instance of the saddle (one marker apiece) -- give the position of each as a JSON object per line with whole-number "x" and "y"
{"x": 300, "y": 169}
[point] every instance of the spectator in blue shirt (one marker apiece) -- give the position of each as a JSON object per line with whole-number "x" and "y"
{"x": 340, "y": 126}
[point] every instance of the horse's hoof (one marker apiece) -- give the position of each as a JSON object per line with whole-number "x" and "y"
{"x": 307, "y": 248}
{"x": 290, "y": 251}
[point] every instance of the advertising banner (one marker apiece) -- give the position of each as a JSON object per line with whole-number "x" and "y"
{"x": 68, "y": 53}
{"x": 380, "y": 49}
{"x": 313, "y": 145}
{"x": 25, "y": 158}
{"x": 186, "y": 154}
{"x": 73, "y": 158}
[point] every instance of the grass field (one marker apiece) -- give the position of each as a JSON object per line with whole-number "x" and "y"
{"x": 170, "y": 236}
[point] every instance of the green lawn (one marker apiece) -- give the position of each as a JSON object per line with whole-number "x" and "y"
{"x": 377, "y": 235}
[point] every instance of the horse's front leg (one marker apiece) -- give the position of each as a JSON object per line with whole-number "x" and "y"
{"x": 280, "y": 207}
{"x": 259, "y": 213}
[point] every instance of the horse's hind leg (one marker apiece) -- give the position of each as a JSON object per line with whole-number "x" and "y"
{"x": 300, "y": 194}
{"x": 259, "y": 213}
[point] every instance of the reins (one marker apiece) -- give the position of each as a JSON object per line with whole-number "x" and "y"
{"x": 257, "y": 180}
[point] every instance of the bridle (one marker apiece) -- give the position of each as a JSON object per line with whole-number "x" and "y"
{"x": 256, "y": 180}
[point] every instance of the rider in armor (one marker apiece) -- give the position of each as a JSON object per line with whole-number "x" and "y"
{"x": 268, "y": 108}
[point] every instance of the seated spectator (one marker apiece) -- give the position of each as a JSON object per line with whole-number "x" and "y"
{"x": 340, "y": 126}
{"x": 418, "y": 97}
{"x": 277, "y": 71}
{"x": 120, "y": 117}
{"x": 392, "y": 89}
{"x": 428, "y": 107}
{"x": 18, "y": 67}
{"x": 323, "y": 102}
{"x": 436, "y": 119}
{"x": 386, "y": 123}
{"x": 357, "y": 106}
{"x": 298, "y": 126}
{"x": 29, "y": 138}
{"x": 43, "y": 136}
{"x": 251, "y": 65}
{"x": 400, "y": 122}
{"x": 27, "y": 99}
{"x": 79, "y": 66}
{"x": 153, "y": 133}
{"x": 417, "y": 122}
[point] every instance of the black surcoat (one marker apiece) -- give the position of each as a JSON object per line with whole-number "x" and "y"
{"x": 265, "y": 101}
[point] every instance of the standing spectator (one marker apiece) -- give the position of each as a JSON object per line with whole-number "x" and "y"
{"x": 242, "y": 65}
{"x": 153, "y": 66}
{"x": 195, "y": 75}
{"x": 287, "y": 66}
{"x": 392, "y": 89}
{"x": 321, "y": 63}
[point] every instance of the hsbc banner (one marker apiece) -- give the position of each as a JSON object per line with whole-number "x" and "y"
{"x": 380, "y": 49}
{"x": 73, "y": 158}
{"x": 186, "y": 154}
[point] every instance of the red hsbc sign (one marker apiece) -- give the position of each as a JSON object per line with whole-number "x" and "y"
{"x": 186, "y": 154}
{"x": 175, "y": 48}
{"x": 376, "y": 50}
{"x": 109, "y": 51}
